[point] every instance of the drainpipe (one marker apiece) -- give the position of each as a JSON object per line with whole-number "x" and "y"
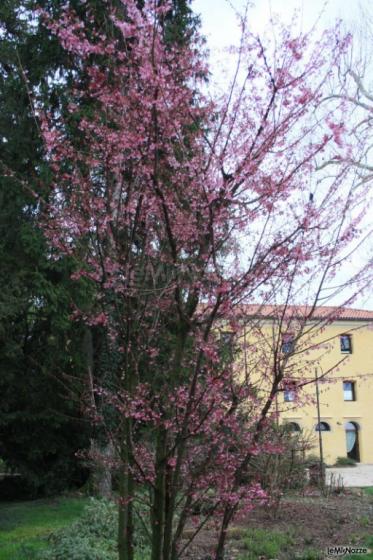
{"x": 321, "y": 452}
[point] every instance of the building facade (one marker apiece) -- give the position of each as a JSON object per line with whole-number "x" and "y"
{"x": 329, "y": 391}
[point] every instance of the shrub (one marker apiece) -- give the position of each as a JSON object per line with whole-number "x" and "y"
{"x": 316, "y": 470}
{"x": 263, "y": 543}
{"x": 345, "y": 462}
{"x": 92, "y": 537}
{"x": 312, "y": 460}
{"x": 80, "y": 548}
{"x": 281, "y": 471}
{"x": 310, "y": 554}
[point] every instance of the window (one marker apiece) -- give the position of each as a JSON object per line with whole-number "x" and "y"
{"x": 349, "y": 391}
{"x": 289, "y": 395}
{"x": 346, "y": 343}
{"x": 322, "y": 427}
{"x": 287, "y": 344}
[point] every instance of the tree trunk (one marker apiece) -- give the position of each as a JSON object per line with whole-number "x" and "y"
{"x": 159, "y": 502}
{"x": 101, "y": 477}
{"x": 180, "y": 527}
{"x": 219, "y": 554}
{"x": 171, "y": 478}
{"x": 101, "y": 451}
{"x": 125, "y": 510}
{"x": 169, "y": 514}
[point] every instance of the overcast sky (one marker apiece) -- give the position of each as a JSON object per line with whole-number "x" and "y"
{"x": 219, "y": 22}
{"x": 219, "y": 26}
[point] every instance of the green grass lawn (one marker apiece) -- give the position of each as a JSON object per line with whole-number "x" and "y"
{"x": 369, "y": 541}
{"x": 369, "y": 544}
{"x": 24, "y": 526}
{"x": 261, "y": 543}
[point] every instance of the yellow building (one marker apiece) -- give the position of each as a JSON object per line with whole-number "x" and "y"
{"x": 330, "y": 354}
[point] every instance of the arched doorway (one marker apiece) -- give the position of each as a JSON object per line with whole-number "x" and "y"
{"x": 352, "y": 440}
{"x": 293, "y": 427}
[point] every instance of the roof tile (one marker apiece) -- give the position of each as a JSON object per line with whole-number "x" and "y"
{"x": 302, "y": 311}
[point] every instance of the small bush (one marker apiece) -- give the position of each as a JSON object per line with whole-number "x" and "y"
{"x": 345, "y": 462}
{"x": 262, "y": 543}
{"x": 80, "y": 548}
{"x": 92, "y": 537}
{"x": 310, "y": 554}
{"x": 365, "y": 520}
{"x": 312, "y": 460}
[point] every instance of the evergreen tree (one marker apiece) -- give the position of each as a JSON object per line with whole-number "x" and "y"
{"x": 41, "y": 425}
{"x": 44, "y": 357}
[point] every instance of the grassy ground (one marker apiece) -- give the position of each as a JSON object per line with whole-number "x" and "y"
{"x": 24, "y": 526}
{"x": 258, "y": 544}
{"x": 368, "y": 542}
{"x": 301, "y": 530}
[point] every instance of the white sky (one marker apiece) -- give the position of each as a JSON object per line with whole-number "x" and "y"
{"x": 220, "y": 27}
{"x": 219, "y": 21}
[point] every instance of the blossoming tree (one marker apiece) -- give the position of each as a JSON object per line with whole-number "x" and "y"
{"x": 179, "y": 208}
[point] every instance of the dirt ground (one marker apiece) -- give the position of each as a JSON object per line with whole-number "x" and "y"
{"x": 312, "y": 521}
